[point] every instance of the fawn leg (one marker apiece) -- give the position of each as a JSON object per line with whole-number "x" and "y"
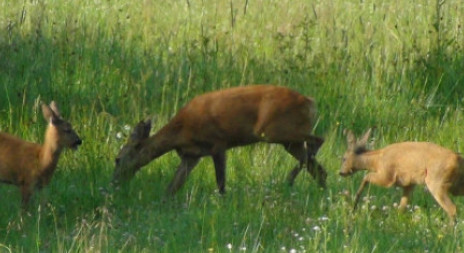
{"x": 440, "y": 193}
{"x": 407, "y": 190}
{"x": 380, "y": 179}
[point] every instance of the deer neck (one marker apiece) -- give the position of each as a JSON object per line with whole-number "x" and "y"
{"x": 159, "y": 144}
{"x": 369, "y": 160}
{"x": 50, "y": 151}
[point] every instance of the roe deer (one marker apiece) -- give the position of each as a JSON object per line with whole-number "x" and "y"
{"x": 407, "y": 164}
{"x": 214, "y": 122}
{"x": 30, "y": 165}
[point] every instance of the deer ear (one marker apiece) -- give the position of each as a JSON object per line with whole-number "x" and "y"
{"x": 146, "y": 128}
{"x": 141, "y": 131}
{"x": 55, "y": 109}
{"x": 350, "y": 139}
{"x": 49, "y": 114}
{"x": 362, "y": 142}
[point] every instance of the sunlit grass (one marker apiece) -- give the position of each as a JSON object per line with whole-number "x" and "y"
{"x": 396, "y": 66}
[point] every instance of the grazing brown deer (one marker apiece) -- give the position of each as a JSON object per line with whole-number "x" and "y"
{"x": 214, "y": 122}
{"x": 407, "y": 164}
{"x": 31, "y": 165}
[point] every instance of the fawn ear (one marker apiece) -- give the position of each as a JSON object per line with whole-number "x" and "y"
{"x": 141, "y": 131}
{"x": 55, "y": 109}
{"x": 362, "y": 142}
{"x": 49, "y": 114}
{"x": 350, "y": 139}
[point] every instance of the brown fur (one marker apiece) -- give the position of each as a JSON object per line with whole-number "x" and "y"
{"x": 214, "y": 122}
{"x": 31, "y": 165}
{"x": 405, "y": 165}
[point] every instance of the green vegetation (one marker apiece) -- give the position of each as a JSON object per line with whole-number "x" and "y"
{"x": 396, "y": 65}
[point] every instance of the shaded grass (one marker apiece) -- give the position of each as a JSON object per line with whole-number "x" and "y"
{"x": 396, "y": 66}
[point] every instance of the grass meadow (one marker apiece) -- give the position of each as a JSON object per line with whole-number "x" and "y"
{"x": 394, "y": 65}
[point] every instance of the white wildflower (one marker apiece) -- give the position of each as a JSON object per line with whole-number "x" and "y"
{"x": 323, "y": 218}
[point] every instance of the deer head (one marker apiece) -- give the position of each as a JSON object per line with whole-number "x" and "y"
{"x": 128, "y": 157}
{"x": 60, "y": 131}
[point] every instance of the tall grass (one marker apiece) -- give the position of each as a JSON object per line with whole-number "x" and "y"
{"x": 394, "y": 65}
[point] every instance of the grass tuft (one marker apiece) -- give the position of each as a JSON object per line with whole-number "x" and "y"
{"x": 396, "y": 66}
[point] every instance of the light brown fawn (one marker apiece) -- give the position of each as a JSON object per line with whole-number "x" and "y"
{"x": 31, "y": 165}
{"x": 214, "y": 122}
{"x": 407, "y": 164}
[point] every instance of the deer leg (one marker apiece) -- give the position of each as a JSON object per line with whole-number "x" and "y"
{"x": 407, "y": 190}
{"x": 315, "y": 169}
{"x": 219, "y": 160}
{"x": 292, "y": 175}
{"x": 298, "y": 152}
{"x": 385, "y": 180}
{"x": 186, "y": 165}
{"x": 312, "y": 145}
{"x": 305, "y": 154}
{"x": 26, "y": 192}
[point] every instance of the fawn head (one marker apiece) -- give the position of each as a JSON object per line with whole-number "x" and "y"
{"x": 61, "y": 130}
{"x": 355, "y": 148}
{"x": 127, "y": 159}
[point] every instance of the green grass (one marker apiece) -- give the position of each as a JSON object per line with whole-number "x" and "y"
{"x": 394, "y": 65}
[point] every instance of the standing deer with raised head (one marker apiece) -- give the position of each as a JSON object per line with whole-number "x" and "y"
{"x": 214, "y": 122}
{"x": 407, "y": 164}
{"x": 31, "y": 165}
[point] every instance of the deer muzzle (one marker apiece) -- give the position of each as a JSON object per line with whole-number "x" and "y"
{"x": 76, "y": 144}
